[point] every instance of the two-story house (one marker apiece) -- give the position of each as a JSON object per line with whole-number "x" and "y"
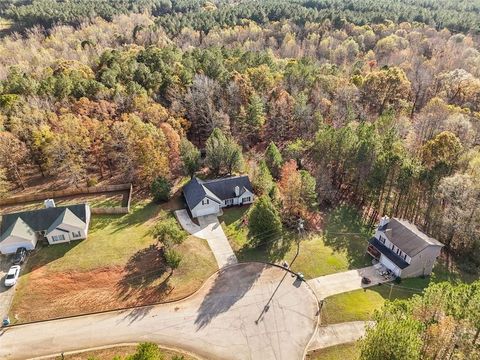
{"x": 401, "y": 247}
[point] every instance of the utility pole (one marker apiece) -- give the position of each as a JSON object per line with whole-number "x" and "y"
{"x": 300, "y": 229}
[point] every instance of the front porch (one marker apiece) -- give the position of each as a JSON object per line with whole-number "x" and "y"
{"x": 386, "y": 256}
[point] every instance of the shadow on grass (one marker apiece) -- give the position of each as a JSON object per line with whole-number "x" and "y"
{"x": 45, "y": 254}
{"x": 273, "y": 251}
{"x": 142, "y": 270}
{"x": 229, "y": 286}
{"x": 346, "y": 232}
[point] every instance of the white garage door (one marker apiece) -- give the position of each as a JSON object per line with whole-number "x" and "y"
{"x": 208, "y": 210}
{"x": 390, "y": 265}
{"x": 12, "y": 248}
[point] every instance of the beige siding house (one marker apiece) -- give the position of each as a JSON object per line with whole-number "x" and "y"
{"x": 401, "y": 247}
{"x": 55, "y": 224}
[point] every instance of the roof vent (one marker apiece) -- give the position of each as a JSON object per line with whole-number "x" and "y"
{"x": 237, "y": 191}
{"x": 49, "y": 203}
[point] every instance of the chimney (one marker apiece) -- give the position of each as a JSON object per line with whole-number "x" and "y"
{"x": 384, "y": 221}
{"x": 237, "y": 191}
{"x": 49, "y": 203}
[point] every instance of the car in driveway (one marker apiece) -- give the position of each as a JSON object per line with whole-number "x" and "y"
{"x": 20, "y": 256}
{"x": 12, "y": 275}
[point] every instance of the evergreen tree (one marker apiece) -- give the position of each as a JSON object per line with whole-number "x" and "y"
{"x": 190, "y": 156}
{"x": 264, "y": 222}
{"x": 274, "y": 160}
{"x": 262, "y": 180}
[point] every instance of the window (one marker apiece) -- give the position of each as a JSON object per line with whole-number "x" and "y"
{"x": 205, "y": 202}
{"x": 405, "y": 257}
{"x": 382, "y": 239}
{"x": 76, "y": 234}
{"x": 247, "y": 199}
{"x": 58, "y": 238}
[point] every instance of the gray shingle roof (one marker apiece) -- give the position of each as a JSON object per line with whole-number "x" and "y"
{"x": 218, "y": 190}
{"x": 66, "y": 217}
{"x": 19, "y": 229}
{"x": 42, "y": 219}
{"x": 408, "y": 237}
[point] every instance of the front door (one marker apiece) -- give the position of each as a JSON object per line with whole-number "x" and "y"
{"x": 229, "y": 202}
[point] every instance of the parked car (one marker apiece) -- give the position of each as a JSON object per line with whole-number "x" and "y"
{"x": 20, "y": 256}
{"x": 12, "y": 275}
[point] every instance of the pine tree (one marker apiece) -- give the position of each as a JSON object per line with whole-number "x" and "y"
{"x": 274, "y": 160}
{"x": 264, "y": 222}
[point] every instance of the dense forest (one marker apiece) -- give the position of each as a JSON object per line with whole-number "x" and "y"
{"x": 374, "y": 103}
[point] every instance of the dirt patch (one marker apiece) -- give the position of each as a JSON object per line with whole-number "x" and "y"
{"x": 144, "y": 280}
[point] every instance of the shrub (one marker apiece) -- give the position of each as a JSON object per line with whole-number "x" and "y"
{"x": 161, "y": 189}
{"x": 173, "y": 259}
{"x": 92, "y": 181}
{"x": 147, "y": 351}
{"x": 169, "y": 233}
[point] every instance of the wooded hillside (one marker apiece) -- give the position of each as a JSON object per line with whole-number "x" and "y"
{"x": 383, "y": 114}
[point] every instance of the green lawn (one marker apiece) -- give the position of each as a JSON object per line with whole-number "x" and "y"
{"x": 112, "y": 240}
{"x": 118, "y": 265}
{"x": 339, "y": 248}
{"x": 360, "y": 304}
{"x": 340, "y": 352}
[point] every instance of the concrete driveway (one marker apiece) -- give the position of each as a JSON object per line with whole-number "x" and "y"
{"x": 337, "y": 334}
{"x": 246, "y": 311}
{"x": 210, "y": 230}
{"x": 6, "y": 293}
{"x": 346, "y": 281}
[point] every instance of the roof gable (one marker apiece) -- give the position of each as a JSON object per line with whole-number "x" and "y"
{"x": 217, "y": 190}
{"x": 19, "y": 229}
{"x": 42, "y": 219}
{"x": 408, "y": 237}
{"x": 69, "y": 218}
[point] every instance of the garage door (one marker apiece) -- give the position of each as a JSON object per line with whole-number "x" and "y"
{"x": 212, "y": 209}
{"x": 390, "y": 265}
{"x": 12, "y": 248}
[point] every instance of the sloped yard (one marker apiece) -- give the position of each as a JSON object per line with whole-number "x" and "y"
{"x": 340, "y": 247}
{"x": 119, "y": 265}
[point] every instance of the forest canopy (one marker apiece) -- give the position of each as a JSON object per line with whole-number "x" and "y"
{"x": 173, "y": 15}
{"x": 351, "y": 107}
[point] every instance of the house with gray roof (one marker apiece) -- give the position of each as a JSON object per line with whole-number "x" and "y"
{"x": 55, "y": 224}
{"x": 401, "y": 247}
{"x": 206, "y": 197}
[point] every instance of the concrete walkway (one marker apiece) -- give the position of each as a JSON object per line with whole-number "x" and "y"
{"x": 337, "y": 334}
{"x": 210, "y": 230}
{"x": 246, "y": 311}
{"x": 328, "y": 285}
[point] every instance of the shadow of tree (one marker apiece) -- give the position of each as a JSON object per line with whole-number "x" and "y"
{"x": 44, "y": 254}
{"x": 229, "y": 286}
{"x": 271, "y": 252}
{"x": 142, "y": 272}
{"x": 346, "y": 232}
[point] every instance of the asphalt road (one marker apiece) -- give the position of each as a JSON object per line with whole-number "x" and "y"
{"x": 247, "y": 311}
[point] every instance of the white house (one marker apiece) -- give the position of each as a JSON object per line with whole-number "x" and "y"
{"x": 55, "y": 224}
{"x": 401, "y": 247}
{"x": 208, "y": 197}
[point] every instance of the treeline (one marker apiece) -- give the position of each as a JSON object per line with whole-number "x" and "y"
{"x": 442, "y": 323}
{"x": 384, "y": 116}
{"x": 174, "y": 15}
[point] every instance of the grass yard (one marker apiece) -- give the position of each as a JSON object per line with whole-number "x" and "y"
{"x": 340, "y": 247}
{"x": 360, "y": 304}
{"x": 348, "y": 351}
{"x": 120, "y": 352}
{"x": 118, "y": 265}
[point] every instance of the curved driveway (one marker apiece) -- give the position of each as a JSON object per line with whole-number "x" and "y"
{"x": 246, "y": 311}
